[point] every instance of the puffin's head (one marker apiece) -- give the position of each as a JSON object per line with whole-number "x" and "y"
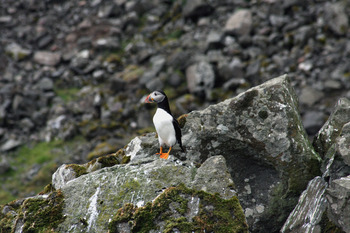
{"x": 155, "y": 97}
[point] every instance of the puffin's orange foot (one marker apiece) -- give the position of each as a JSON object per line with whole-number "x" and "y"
{"x": 160, "y": 151}
{"x": 164, "y": 155}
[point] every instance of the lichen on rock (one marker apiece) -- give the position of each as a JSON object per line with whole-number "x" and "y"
{"x": 95, "y": 197}
{"x": 261, "y": 136}
{"x": 182, "y": 209}
{"x": 42, "y": 213}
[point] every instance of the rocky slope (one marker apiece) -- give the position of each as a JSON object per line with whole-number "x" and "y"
{"x": 75, "y": 71}
{"x": 247, "y": 163}
{"x": 72, "y": 74}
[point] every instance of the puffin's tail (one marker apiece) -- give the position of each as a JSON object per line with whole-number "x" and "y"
{"x": 182, "y": 148}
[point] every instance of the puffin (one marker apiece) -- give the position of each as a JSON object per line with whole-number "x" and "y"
{"x": 167, "y": 127}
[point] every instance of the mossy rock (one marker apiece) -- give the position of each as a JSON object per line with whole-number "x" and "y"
{"x": 41, "y": 213}
{"x": 182, "y": 209}
{"x": 182, "y": 120}
{"x": 131, "y": 73}
{"x": 78, "y": 169}
{"x": 109, "y": 160}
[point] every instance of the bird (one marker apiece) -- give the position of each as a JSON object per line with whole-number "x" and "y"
{"x": 167, "y": 127}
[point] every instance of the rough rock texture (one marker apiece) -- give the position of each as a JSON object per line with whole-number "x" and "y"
{"x": 96, "y": 197}
{"x": 251, "y": 148}
{"x": 261, "y": 136}
{"x": 325, "y": 138}
{"x": 76, "y": 70}
{"x": 41, "y": 213}
{"x": 343, "y": 142}
{"x": 323, "y": 207}
{"x": 307, "y": 214}
{"x": 181, "y": 210}
{"x": 89, "y": 202}
{"x": 338, "y": 196}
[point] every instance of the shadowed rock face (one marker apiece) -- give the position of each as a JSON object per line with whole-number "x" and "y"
{"x": 262, "y": 138}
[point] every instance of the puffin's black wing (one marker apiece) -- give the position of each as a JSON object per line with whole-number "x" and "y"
{"x": 178, "y": 133}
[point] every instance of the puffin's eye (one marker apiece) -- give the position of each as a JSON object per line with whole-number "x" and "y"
{"x": 155, "y": 94}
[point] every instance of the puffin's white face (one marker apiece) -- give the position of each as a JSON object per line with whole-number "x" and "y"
{"x": 155, "y": 97}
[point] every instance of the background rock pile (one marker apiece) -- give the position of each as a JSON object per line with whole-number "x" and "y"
{"x": 72, "y": 73}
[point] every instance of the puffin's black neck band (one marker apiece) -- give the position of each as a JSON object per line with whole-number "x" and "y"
{"x": 165, "y": 105}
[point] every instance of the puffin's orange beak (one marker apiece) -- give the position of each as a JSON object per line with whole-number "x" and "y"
{"x": 149, "y": 99}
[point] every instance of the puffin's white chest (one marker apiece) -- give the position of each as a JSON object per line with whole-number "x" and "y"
{"x": 163, "y": 122}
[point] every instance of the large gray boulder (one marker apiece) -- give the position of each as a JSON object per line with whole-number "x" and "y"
{"x": 267, "y": 150}
{"x": 268, "y": 154}
{"x": 96, "y": 197}
{"x": 90, "y": 202}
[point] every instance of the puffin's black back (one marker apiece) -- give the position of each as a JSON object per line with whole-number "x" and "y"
{"x": 178, "y": 133}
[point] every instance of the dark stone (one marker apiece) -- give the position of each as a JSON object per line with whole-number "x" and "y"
{"x": 197, "y": 8}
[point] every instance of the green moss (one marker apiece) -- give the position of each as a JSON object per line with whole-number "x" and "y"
{"x": 215, "y": 214}
{"x": 38, "y": 214}
{"x": 132, "y": 73}
{"x": 67, "y": 94}
{"x": 125, "y": 159}
{"x": 181, "y": 224}
{"x": 108, "y": 160}
{"x": 78, "y": 169}
{"x": 118, "y": 157}
{"x": 280, "y": 199}
{"x": 48, "y": 189}
{"x": 129, "y": 186}
{"x": 19, "y": 56}
{"x": 7, "y": 221}
{"x": 182, "y": 120}
{"x": 114, "y": 58}
{"x": 43, "y": 214}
